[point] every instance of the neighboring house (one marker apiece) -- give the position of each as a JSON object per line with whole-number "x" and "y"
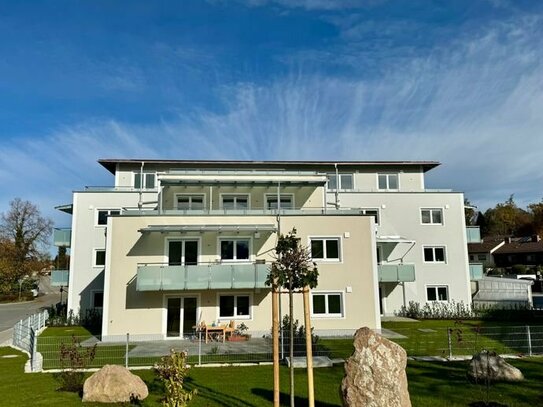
{"x": 176, "y": 242}
{"x": 482, "y": 251}
{"x": 526, "y": 251}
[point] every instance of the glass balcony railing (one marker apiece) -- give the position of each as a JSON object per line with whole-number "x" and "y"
{"x": 394, "y": 273}
{"x": 157, "y": 277}
{"x": 473, "y": 234}
{"x": 59, "y": 277}
{"x": 62, "y": 237}
{"x": 476, "y": 271}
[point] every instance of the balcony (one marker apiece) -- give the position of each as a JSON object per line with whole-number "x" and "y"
{"x": 162, "y": 277}
{"x": 62, "y": 237}
{"x": 473, "y": 234}
{"x": 59, "y": 278}
{"x": 395, "y": 273}
{"x": 476, "y": 271}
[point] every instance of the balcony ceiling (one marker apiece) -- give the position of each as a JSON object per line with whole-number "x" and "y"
{"x": 208, "y": 228}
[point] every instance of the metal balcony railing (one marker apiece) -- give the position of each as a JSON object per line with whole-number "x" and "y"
{"x": 209, "y": 276}
{"x": 394, "y": 273}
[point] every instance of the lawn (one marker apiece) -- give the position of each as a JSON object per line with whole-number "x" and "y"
{"x": 430, "y": 384}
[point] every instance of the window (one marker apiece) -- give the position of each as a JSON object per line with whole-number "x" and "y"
{"x": 345, "y": 181}
{"x": 327, "y": 304}
{"x": 149, "y": 180}
{"x": 371, "y": 212}
{"x": 190, "y": 202}
{"x": 101, "y": 218}
{"x": 471, "y": 257}
{"x": 97, "y": 299}
{"x": 437, "y": 293}
{"x": 182, "y": 252}
{"x": 434, "y": 254}
{"x": 235, "y": 249}
{"x": 235, "y": 201}
{"x": 482, "y": 257}
{"x": 432, "y": 216}
{"x": 234, "y": 306}
{"x": 387, "y": 182}
{"x": 99, "y": 258}
{"x": 286, "y": 201}
{"x": 325, "y": 249}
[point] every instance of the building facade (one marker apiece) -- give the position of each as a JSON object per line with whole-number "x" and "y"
{"x": 174, "y": 243}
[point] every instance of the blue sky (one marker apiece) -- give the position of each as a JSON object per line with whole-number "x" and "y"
{"x": 460, "y": 82}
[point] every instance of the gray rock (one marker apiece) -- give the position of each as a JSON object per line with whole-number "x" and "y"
{"x": 487, "y": 365}
{"x": 375, "y": 373}
{"x": 114, "y": 384}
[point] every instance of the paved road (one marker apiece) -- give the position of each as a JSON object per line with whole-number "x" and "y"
{"x": 11, "y": 313}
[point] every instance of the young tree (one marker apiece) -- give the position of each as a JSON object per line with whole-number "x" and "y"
{"x": 26, "y": 232}
{"x": 294, "y": 271}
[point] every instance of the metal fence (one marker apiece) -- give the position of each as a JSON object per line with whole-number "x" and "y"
{"x": 25, "y": 336}
{"x": 456, "y": 341}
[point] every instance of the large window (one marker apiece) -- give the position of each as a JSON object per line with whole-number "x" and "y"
{"x": 434, "y": 254}
{"x": 190, "y": 202}
{"x": 387, "y": 182}
{"x": 147, "y": 181}
{"x": 235, "y": 201}
{"x": 235, "y": 249}
{"x": 327, "y": 304}
{"x": 437, "y": 293}
{"x": 286, "y": 201}
{"x": 102, "y": 214}
{"x": 182, "y": 252}
{"x": 431, "y": 216}
{"x": 234, "y": 306}
{"x": 345, "y": 181}
{"x": 325, "y": 249}
{"x": 99, "y": 258}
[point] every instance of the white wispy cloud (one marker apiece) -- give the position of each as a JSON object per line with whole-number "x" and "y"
{"x": 475, "y": 105}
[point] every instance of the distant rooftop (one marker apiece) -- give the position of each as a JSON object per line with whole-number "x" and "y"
{"x": 111, "y": 164}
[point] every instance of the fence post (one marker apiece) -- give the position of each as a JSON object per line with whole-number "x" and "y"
{"x": 449, "y": 342}
{"x": 529, "y": 336}
{"x": 126, "y": 350}
{"x": 200, "y": 347}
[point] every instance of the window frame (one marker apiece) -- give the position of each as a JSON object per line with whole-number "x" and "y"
{"x": 432, "y": 209}
{"x": 93, "y": 299}
{"x": 339, "y": 183}
{"x": 220, "y": 239}
{"x": 108, "y": 210}
{"x": 185, "y": 194}
{"x": 436, "y": 287}
{"x": 327, "y": 314}
{"x": 169, "y": 239}
{"x": 378, "y": 220}
{"x": 94, "y": 254}
{"x": 136, "y": 174}
{"x": 281, "y": 195}
{"x": 324, "y": 239}
{"x": 387, "y": 175}
{"x": 235, "y": 317}
{"x": 433, "y": 248}
{"x": 235, "y": 196}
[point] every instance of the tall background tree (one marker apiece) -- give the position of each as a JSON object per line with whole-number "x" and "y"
{"x": 24, "y": 238}
{"x": 293, "y": 270}
{"x": 507, "y": 219}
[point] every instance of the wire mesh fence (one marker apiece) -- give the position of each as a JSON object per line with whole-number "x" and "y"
{"x": 441, "y": 342}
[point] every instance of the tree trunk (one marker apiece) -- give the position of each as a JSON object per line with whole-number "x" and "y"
{"x": 291, "y": 342}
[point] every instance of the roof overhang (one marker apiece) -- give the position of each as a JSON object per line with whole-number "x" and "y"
{"x": 393, "y": 239}
{"x": 208, "y": 228}
{"x": 68, "y": 208}
{"x": 242, "y": 179}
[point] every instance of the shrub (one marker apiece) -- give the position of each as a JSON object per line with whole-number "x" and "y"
{"x": 74, "y": 358}
{"x": 172, "y": 370}
{"x": 299, "y": 337}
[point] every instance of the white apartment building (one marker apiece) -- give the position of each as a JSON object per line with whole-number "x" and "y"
{"x": 379, "y": 237}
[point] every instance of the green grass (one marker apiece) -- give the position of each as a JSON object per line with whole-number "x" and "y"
{"x": 68, "y": 331}
{"x": 430, "y": 385}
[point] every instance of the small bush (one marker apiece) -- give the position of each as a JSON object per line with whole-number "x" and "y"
{"x": 74, "y": 358}
{"x": 172, "y": 370}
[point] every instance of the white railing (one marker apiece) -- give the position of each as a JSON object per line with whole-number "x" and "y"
{"x": 25, "y": 336}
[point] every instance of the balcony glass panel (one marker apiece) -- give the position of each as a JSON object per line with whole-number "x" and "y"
{"x": 59, "y": 277}
{"x": 197, "y": 278}
{"x": 62, "y": 237}
{"x": 476, "y": 271}
{"x": 396, "y": 272}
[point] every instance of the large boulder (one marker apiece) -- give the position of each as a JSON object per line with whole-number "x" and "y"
{"x": 114, "y": 384}
{"x": 490, "y": 366}
{"x": 375, "y": 373}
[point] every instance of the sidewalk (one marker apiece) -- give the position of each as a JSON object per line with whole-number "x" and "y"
{"x": 6, "y": 337}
